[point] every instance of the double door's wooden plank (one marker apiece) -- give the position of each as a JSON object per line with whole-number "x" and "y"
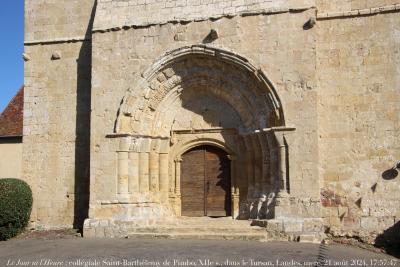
{"x": 205, "y": 182}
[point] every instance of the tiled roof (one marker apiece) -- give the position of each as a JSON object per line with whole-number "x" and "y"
{"x": 11, "y": 119}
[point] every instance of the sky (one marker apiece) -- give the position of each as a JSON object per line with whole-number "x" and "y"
{"x": 11, "y": 49}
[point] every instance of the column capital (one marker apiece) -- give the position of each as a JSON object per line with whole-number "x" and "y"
{"x": 279, "y": 134}
{"x": 124, "y": 143}
{"x": 178, "y": 159}
{"x": 164, "y": 146}
{"x": 280, "y": 138}
{"x": 155, "y": 145}
{"x": 235, "y": 193}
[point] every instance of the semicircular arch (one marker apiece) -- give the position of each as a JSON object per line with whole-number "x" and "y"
{"x": 171, "y": 71}
{"x": 178, "y": 151}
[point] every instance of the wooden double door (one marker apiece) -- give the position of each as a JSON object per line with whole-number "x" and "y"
{"x": 205, "y": 182}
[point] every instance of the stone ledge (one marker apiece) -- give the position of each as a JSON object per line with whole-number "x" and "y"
{"x": 260, "y": 230}
{"x": 359, "y": 12}
{"x": 244, "y": 13}
{"x": 58, "y": 40}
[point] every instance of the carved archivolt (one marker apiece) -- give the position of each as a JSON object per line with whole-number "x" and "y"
{"x": 192, "y": 96}
{"x": 155, "y": 101}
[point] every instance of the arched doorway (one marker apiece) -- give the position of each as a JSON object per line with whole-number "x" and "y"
{"x": 205, "y": 182}
{"x": 192, "y": 95}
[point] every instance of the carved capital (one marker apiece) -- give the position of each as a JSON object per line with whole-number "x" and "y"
{"x": 278, "y": 134}
{"x": 124, "y": 143}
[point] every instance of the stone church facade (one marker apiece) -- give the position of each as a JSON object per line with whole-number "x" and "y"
{"x": 284, "y": 112}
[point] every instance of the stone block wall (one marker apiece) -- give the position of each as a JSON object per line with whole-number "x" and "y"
{"x": 358, "y": 113}
{"x": 338, "y": 83}
{"x": 49, "y": 20}
{"x": 349, "y": 5}
{"x": 277, "y": 43}
{"x": 144, "y": 12}
{"x": 57, "y": 110}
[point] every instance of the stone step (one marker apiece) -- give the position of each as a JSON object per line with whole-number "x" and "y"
{"x": 213, "y": 225}
{"x": 181, "y": 229}
{"x": 204, "y": 236}
{"x": 202, "y": 228}
{"x": 206, "y": 221}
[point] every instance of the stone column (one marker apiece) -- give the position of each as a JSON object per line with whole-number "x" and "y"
{"x": 266, "y": 182}
{"x": 144, "y": 181}
{"x": 164, "y": 177}
{"x": 249, "y": 167}
{"x": 144, "y": 172}
{"x": 178, "y": 177}
{"x": 154, "y": 162}
{"x": 123, "y": 166}
{"x": 282, "y": 175}
{"x": 154, "y": 167}
{"x": 133, "y": 172}
{"x": 282, "y": 208}
{"x": 273, "y": 169}
{"x": 172, "y": 177}
{"x": 234, "y": 187}
{"x": 257, "y": 165}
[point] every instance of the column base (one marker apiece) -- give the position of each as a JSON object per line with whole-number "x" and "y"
{"x": 282, "y": 206}
{"x": 235, "y": 206}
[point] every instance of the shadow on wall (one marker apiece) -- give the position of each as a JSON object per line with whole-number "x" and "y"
{"x": 263, "y": 208}
{"x": 390, "y": 174}
{"x": 82, "y": 142}
{"x": 389, "y": 240}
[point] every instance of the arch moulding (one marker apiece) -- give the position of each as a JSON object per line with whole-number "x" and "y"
{"x": 183, "y": 147}
{"x": 154, "y": 172}
{"x": 145, "y": 85}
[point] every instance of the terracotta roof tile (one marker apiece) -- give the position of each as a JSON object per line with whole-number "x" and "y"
{"x": 11, "y": 119}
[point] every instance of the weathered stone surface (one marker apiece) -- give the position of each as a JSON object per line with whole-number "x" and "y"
{"x": 55, "y": 148}
{"x": 126, "y": 12}
{"x": 336, "y": 6}
{"x": 310, "y": 238}
{"x": 361, "y": 143}
{"x": 290, "y": 226}
{"x": 48, "y": 20}
{"x": 313, "y": 225}
{"x": 309, "y": 116}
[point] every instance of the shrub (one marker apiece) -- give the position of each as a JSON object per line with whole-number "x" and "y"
{"x": 15, "y": 207}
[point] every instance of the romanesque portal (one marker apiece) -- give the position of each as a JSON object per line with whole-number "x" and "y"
{"x": 201, "y": 134}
